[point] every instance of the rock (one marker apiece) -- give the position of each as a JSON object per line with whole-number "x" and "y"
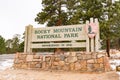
{"x": 55, "y": 63}
{"x": 29, "y": 58}
{"x": 62, "y": 57}
{"x": 48, "y": 65}
{"x": 99, "y": 70}
{"x": 107, "y": 64}
{"x": 77, "y": 66}
{"x": 79, "y": 57}
{"x": 83, "y": 64}
{"x": 57, "y": 59}
{"x": 32, "y": 64}
{"x": 17, "y": 55}
{"x": 24, "y": 66}
{"x": 66, "y": 60}
{"x": 96, "y": 66}
{"x": 36, "y": 57}
{"x": 100, "y": 55}
{"x": 53, "y": 67}
{"x": 88, "y": 56}
{"x": 72, "y": 66}
{"x": 94, "y": 55}
{"x": 61, "y": 63}
{"x": 82, "y": 52}
{"x": 90, "y": 67}
{"x": 73, "y": 54}
{"x": 58, "y": 67}
{"x": 39, "y": 65}
{"x": 88, "y": 53}
{"x": 16, "y": 61}
{"x": 66, "y": 54}
{"x": 66, "y": 68}
{"x": 43, "y": 58}
{"x": 71, "y": 59}
{"x": 78, "y": 54}
{"x": 47, "y": 58}
{"x": 43, "y": 65}
{"x": 100, "y": 60}
{"x": 17, "y": 66}
{"x": 101, "y": 66}
{"x": 24, "y": 55}
{"x": 20, "y": 61}
{"x": 90, "y": 61}
{"x": 83, "y": 69}
{"x": 84, "y": 57}
{"x": 40, "y": 60}
{"x": 36, "y": 60}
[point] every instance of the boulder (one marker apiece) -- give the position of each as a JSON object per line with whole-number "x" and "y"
{"x": 72, "y": 66}
{"x": 77, "y": 66}
{"x": 36, "y": 57}
{"x": 29, "y": 58}
{"x": 71, "y": 59}
{"x": 61, "y": 63}
{"x": 90, "y": 61}
{"x": 73, "y": 54}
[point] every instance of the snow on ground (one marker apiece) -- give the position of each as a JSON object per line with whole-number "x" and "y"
{"x": 114, "y": 63}
{"x": 6, "y": 61}
{"x": 115, "y": 60}
{"x": 6, "y": 64}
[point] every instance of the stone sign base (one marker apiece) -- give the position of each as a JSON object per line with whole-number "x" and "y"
{"x": 69, "y": 61}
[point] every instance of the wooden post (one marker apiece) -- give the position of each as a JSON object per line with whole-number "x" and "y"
{"x": 28, "y": 39}
{"x": 92, "y": 44}
{"x": 108, "y": 47}
{"x": 92, "y": 39}
{"x": 97, "y": 38}
{"x": 87, "y": 41}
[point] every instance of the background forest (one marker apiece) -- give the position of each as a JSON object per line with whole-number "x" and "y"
{"x": 69, "y": 12}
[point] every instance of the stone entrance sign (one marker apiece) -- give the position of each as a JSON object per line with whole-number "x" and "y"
{"x": 71, "y": 36}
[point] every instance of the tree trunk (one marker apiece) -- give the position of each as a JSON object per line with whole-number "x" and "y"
{"x": 108, "y": 47}
{"x": 59, "y": 23}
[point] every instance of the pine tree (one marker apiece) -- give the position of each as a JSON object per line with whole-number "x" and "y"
{"x": 78, "y": 11}
{"x": 52, "y": 13}
{"x": 2, "y": 45}
{"x": 106, "y": 11}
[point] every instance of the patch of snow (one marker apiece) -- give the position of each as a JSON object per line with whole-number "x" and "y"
{"x": 6, "y": 64}
{"x": 114, "y": 63}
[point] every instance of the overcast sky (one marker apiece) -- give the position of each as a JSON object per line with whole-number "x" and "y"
{"x": 16, "y": 14}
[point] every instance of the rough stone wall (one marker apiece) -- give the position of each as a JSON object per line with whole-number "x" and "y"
{"x": 70, "y": 61}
